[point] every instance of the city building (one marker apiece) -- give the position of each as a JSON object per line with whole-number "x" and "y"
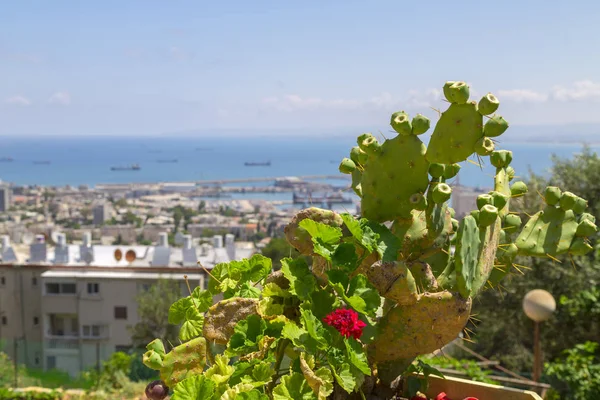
{"x": 71, "y": 306}
{"x": 5, "y": 197}
{"x": 101, "y": 213}
{"x": 464, "y": 199}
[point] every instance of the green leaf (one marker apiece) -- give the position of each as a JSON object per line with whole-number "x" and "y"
{"x": 325, "y": 375}
{"x": 353, "y": 226}
{"x": 294, "y": 387}
{"x": 429, "y": 370}
{"x": 388, "y": 244}
{"x": 322, "y": 303}
{"x": 226, "y": 284}
{"x": 191, "y": 329}
{"x": 262, "y": 372}
{"x": 252, "y": 395}
{"x": 220, "y": 371}
{"x": 178, "y": 310}
{"x": 248, "y": 291}
{"x": 252, "y": 327}
{"x": 234, "y": 392}
{"x": 294, "y": 333}
{"x": 268, "y": 307}
{"x": 345, "y": 257}
{"x": 357, "y": 356}
{"x": 272, "y": 289}
{"x": 202, "y": 298}
{"x": 369, "y": 238}
{"x": 193, "y": 388}
{"x": 338, "y": 276}
{"x": 315, "y": 329}
{"x": 259, "y": 267}
{"x": 325, "y": 238}
{"x": 360, "y": 287}
{"x": 218, "y": 273}
{"x": 302, "y": 281}
{"x": 344, "y": 377}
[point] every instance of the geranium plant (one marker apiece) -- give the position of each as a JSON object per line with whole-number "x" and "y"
{"x": 395, "y": 283}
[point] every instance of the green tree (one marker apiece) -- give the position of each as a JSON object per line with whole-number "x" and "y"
{"x": 153, "y": 310}
{"x": 504, "y": 332}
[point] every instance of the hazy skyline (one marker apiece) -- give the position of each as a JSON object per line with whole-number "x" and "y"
{"x": 150, "y": 67}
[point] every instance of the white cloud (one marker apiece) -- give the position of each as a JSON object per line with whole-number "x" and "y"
{"x": 522, "y": 95}
{"x": 580, "y": 90}
{"x": 62, "y": 98}
{"x": 18, "y": 101}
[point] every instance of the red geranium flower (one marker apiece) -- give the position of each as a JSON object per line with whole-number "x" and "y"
{"x": 346, "y": 322}
{"x": 442, "y": 396}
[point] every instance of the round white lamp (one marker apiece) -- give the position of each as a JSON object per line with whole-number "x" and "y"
{"x": 539, "y": 305}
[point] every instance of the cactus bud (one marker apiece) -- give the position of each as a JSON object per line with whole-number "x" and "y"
{"x": 580, "y": 205}
{"x": 436, "y": 170}
{"x": 347, "y": 166}
{"x": 501, "y": 158}
{"x": 158, "y": 346}
{"x": 512, "y": 221}
{"x": 456, "y": 92}
{"x": 358, "y": 156}
{"x": 487, "y": 215}
{"x": 420, "y": 124}
{"x": 451, "y": 170}
{"x": 418, "y": 201}
{"x": 484, "y": 199}
{"x": 586, "y": 228}
{"x": 495, "y": 126}
{"x": 441, "y": 193}
{"x": 499, "y": 200}
{"x": 567, "y": 200}
{"x": 475, "y": 215}
{"x": 484, "y": 146}
{"x": 152, "y": 360}
{"x": 587, "y": 216}
{"x": 368, "y": 144}
{"x": 488, "y": 104}
{"x": 507, "y": 253}
{"x": 552, "y": 195}
{"x": 157, "y": 390}
{"x": 510, "y": 172}
{"x": 580, "y": 247}
{"x": 401, "y": 123}
{"x": 518, "y": 188}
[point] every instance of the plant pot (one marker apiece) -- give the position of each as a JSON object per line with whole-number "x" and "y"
{"x": 458, "y": 389}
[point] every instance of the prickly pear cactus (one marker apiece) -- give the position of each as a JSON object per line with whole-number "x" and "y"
{"x": 384, "y": 287}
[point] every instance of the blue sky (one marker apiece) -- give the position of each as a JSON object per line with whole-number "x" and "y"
{"x": 153, "y": 67}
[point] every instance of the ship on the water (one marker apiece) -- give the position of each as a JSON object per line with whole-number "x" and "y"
{"x": 133, "y": 167}
{"x": 257, "y": 164}
{"x": 6, "y": 159}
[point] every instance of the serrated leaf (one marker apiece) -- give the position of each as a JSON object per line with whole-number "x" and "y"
{"x": 353, "y": 226}
{"x": 259, "y": 267}
{"x": 338, "y": 276}
{"x": 297, "y": 272}
{"x": 220, "y": 371}
{"x": 267, "y": 307}
{"x": 191, "y": 329}
{"x": 262, "y": 372}
{"x": 194, "y": 388}
{"x": 315, "y": 329}
{"x": 252, "y": 395}
{"x": 360, "y": 286}
{"x": 272, "y": 289}
{"x": 387, "y": 244}
{"x": 369, "y": 237}
{"x": 202, "y": 298}
{"x": 294, "y": 387}
{"x": 234, "y": 392}
{"x": 345, "y": 257}
{"x": 429, "y": 370}
{"x": 322, "y": 303}
{"x": 226, "y": 284}
{"x": 248, "y": 291}
{"x": 293, "y": 332}
{"x": 218, "y": 273}
{"x": 357, "y": 356}
{"x": 178, "y": 310}
{"x": 325, "y": 238}
{"x": 344, "y": 377}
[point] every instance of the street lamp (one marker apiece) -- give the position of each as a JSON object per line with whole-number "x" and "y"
{"x": 538, "y": 305}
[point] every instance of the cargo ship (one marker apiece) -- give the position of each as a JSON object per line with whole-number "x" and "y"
{"x": 133, "y": 167}
{"x": 257, "y": 164}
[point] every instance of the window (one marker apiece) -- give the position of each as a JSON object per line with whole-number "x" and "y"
{"x": 91, "y": 331}
{"x": 93, "y": 288}
{"x": 61, "y": 288}
{"x": 34, "y": 281}
{"x": 4, "y": 320}
{"x": 2, "y": 280}
{"x": 51, "y": 362}
{"x": 36, "y": 321}
{"x": 120, "y": 312}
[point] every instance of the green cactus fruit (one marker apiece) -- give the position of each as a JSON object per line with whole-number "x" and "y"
{"x": 484, "y": 146}
{"x": 456, "y": 92}
{"x": 420, "y": 124}
{"x": 394, "y": 281}
{"x": 152, "y": 360}
{"x": 157, "y": 346}
{"x": 358, "y": 156}
{"x": 518, "y": 189}
{"x": 392, "y": 177}
{"x": 441, "y": 193}
{"x": 552, "y": 195}
{"x": 369, "y": 144}
{"x": 418, "y": 201}
{"x": 401, "y": 123}
{"x": 507, "y": 252}
{"x": 299, "y": 238}
{"x": 547, "y": 233}
{"x": 356, "y": 185}
{"x": 487, "y": 215}
{"x": 499, "y": 200}
{"x": 450, "y": 171}
{"x": 454, "y": 225}
{"x": 187, "y": 359}
{"x": 488, "y": 104}
{"x": 510, "y": 172}
{"x": 587, "y": 216}
{"x": 435, "y": 319}
{"x": 495, "y": 126}
{"x": 501, "y": 158}
{"x": 222, "y": 317}
{"x": 484, "y": 199}
{"x": 586, "y": 228}
{"x": 580, "y": 247}
{"x": 466, "y": 255}
{"x": 436, "y": 170}
{"x": 580, "y": 205}
{"x": 512, "y": 222}
{"x": 455, "y": 134}
{"x": 567, "y": 201}
{"x": 347, "y": 166}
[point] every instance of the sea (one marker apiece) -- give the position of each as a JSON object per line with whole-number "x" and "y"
{"x": 59, "y": 161}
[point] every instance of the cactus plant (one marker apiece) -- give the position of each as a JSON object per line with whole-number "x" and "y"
{"x": 395, "y": 283}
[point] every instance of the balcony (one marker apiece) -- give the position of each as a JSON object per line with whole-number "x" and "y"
{"x": 62, "y": 343}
